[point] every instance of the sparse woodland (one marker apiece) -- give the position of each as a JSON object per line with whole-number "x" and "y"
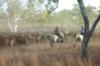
{"x": 23, "y": 26}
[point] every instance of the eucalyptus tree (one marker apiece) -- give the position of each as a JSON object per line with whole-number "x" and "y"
{"x": 14, "y": 11}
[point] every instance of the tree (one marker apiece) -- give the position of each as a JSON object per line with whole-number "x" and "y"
{"x": 51, "y": 5}
{"x": 14, "y": 12}
{"x": 87, "y": 30}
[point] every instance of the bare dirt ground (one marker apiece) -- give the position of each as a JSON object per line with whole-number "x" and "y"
{"x": 39, "y": 53}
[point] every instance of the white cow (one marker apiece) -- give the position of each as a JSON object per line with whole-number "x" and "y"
{"x": 79, "y": 37}
{"x": 78, "y": 40}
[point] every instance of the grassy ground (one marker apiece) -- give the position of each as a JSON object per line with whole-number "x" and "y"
{"x": 40, "y": 54}
{"x": 21, "y": 56}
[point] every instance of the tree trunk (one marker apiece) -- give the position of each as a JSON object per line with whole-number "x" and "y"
{"x": 84, "y": 46}
{"x": 87, "y": 33}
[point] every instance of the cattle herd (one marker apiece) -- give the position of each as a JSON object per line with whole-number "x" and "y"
{"x": 10, "y": 40}
{"x": 14, "y": 39}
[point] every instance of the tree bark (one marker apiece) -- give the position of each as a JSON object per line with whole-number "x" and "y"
{"x": 84, "y": 46}
{"x": 83, "y": 12}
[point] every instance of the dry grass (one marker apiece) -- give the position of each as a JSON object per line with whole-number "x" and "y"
{"x": 36, "y": 56}
{"x": 40, "y": 54}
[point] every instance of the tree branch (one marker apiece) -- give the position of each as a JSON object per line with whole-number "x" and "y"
{"x": 94, "y": 24}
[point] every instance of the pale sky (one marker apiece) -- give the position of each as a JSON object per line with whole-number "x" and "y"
{"x": 68, "y": 4}
{"x": 64, "y": 4}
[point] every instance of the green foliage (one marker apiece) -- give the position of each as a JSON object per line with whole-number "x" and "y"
{"x": 14, "y": 9}
{"x": 50, "y": 8}
{"x": 30, "y": 16}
